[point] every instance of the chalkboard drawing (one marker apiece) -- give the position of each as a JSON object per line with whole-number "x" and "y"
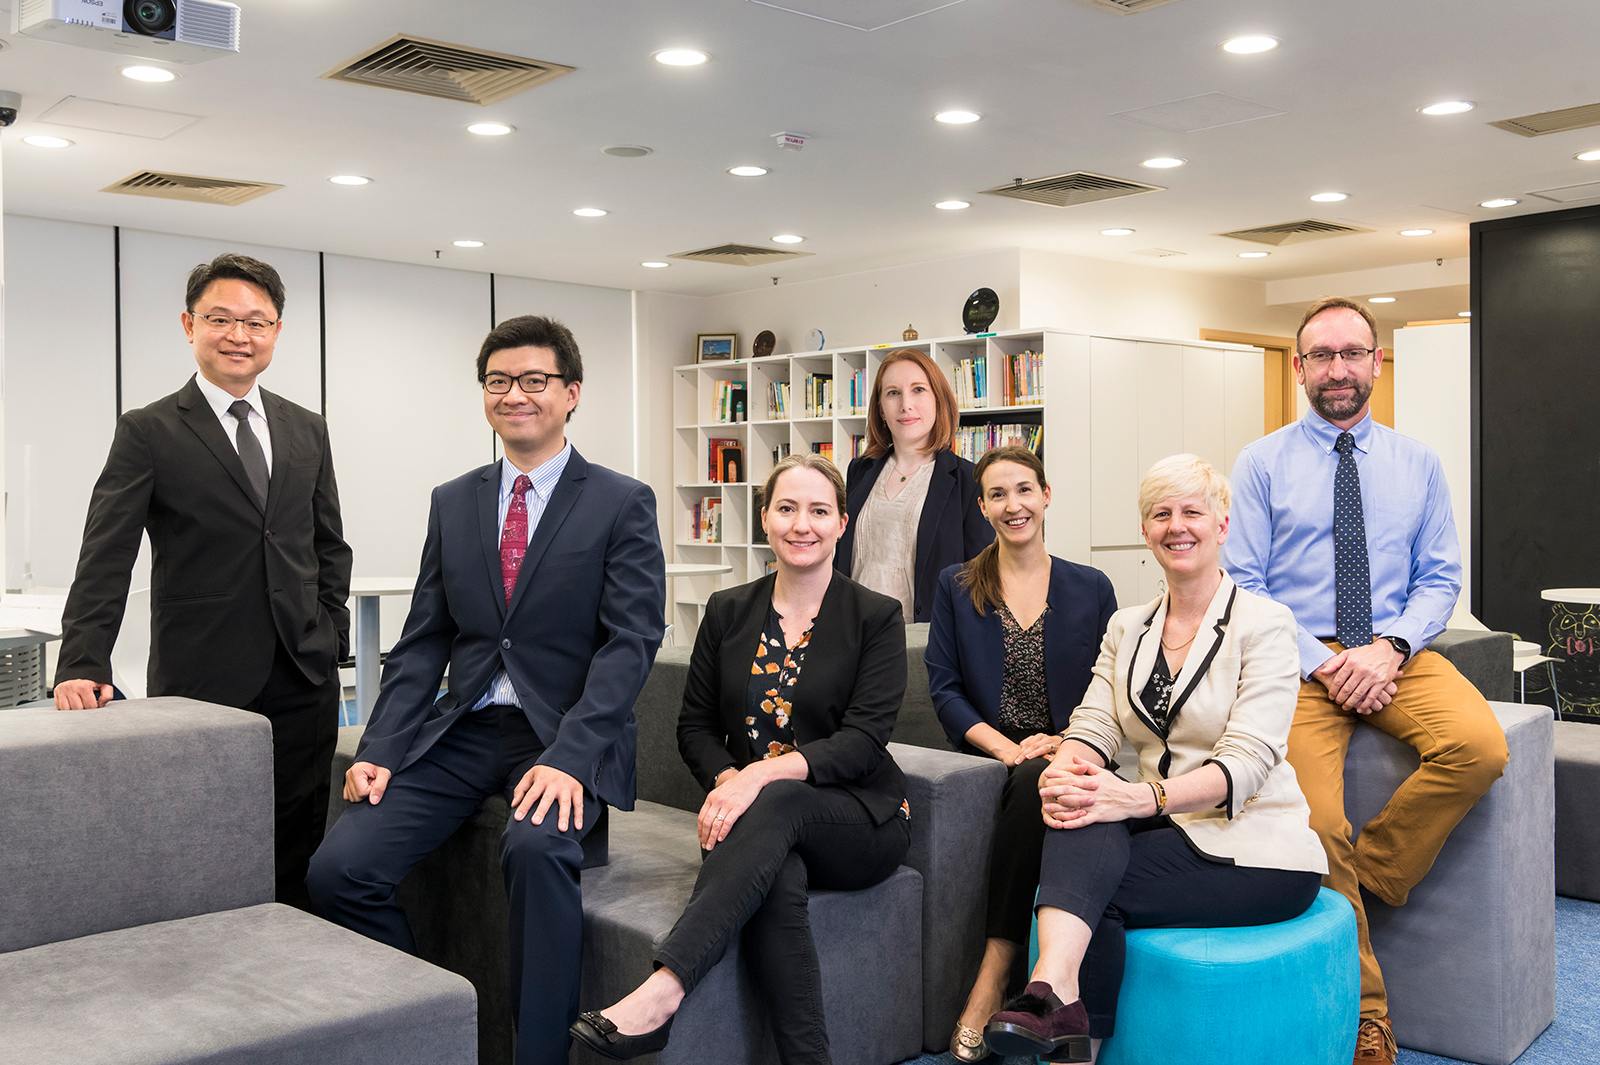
{"x": 1574, "y": 636}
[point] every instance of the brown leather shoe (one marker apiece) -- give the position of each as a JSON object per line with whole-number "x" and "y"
{"x": 1375, "y": 1042}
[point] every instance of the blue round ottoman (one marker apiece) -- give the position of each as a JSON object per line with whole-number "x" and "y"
{"x": 1285, "y": 993}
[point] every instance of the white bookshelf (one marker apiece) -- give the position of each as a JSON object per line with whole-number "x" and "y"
{"x": 1111, "y": 406}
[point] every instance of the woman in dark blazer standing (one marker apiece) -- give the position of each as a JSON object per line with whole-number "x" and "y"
{"x": 792, "y": 693}
{"x": 1010, "y": 653}
{"x": 912, "y": 501}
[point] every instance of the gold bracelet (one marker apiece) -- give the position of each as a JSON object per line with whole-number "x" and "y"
{"x": 1160, "y": 794}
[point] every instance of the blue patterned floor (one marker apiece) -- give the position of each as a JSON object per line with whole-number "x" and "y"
{"x": 1574, "y": 1038}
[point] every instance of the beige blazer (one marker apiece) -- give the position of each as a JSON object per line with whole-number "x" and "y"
{"x": 1233, "y": 703}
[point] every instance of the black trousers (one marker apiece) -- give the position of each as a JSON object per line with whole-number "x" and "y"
{"x": 1144, "y": 874}
{"x": 1015, "y": 853}
{"x": 794, "y": 837}
{"x": 371, "y": 849}
{"x": 305, "y": 729}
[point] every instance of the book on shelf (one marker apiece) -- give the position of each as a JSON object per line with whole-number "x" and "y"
{"x": 825, "y": 449}
{"x": 858, "y": 445}
{"x": 858, "y": 392}
{"x": 971, "y": 441}
{"x": 705, "y": 520}
{"x": 730, "y": 402}
{"x": 819, "y": 395}
{"x": 972, "y": 382}
{"x": 779, "y": 453}
{"x": 770, "y": 566}
{"x": 778, "y": 400}
{"x": 732, "y": 462}
{"x": 1024, "y": 379}
{"x": 758, "y": 499}
{"x": 714, "y": 447}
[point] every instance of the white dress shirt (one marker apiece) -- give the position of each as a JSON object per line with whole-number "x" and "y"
{"x": 220, "y": 402}
{"x": 543, "y": 480}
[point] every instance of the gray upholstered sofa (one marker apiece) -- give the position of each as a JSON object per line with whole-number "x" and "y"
{"x": 137, "y": 921}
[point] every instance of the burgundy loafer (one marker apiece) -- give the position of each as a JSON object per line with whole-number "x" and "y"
{"x": 1036, "y": 1022}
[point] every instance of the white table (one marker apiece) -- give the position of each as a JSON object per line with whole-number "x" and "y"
{"x": 696, "y": 569}
{"x": 367, "y": 591}
{"x": 1587, "y": 596}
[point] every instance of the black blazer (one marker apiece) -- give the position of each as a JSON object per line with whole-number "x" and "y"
{"x": 967, "y": 657}
{"x": 577, "y": 640}
{"x": 952, "y": 528}
{"x": 845, "y": 702}
{"x": 228, "y": 581}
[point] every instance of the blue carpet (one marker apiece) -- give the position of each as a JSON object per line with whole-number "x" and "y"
{"x": 1573, "y": 1038}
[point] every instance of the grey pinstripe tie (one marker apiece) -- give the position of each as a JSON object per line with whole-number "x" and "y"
{"x": 250, "y": 453}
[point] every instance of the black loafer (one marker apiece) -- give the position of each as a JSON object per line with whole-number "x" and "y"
{"x": 597, "y": 1033}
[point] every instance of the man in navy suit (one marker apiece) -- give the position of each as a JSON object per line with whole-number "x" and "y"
{"x": 542, "y": 589}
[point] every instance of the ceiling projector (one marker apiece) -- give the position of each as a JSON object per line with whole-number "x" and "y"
{"x": 174, "y": 31}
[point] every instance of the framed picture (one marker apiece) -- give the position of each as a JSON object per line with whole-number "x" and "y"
{"x": 717, "y": 347}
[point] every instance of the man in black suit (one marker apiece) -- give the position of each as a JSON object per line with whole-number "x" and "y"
{"x": 541, "y": 588}
{"x": 249, "y": 569}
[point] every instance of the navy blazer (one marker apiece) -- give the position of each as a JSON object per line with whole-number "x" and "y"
{"x": 967, "y": 655}
{"x": 845, "y": 702}
{"x": 952, "y": 528}
{"x": 578, "y": 639}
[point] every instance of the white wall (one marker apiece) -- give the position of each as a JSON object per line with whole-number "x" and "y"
{"x": 1432, "y": 402}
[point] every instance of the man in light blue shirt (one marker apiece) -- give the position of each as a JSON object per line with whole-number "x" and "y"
{"x": 1348, "y": 524}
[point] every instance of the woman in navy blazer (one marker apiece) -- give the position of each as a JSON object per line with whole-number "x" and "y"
{"x": 924, "y": 486}
{"x": 1011, "y": 651}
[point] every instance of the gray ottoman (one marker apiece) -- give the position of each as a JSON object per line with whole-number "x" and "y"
{"x": 868, "y": 942}
{"x": 1578, "y": 810}
{"x": 1469, "y": 961}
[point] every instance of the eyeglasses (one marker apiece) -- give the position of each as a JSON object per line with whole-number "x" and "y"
{"x": 1351, "y": 356}
{"x": 531, "y": 383}
{"x": 223, "y": 323}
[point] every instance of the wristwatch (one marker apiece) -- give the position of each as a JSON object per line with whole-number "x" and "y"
{"x": 1400, "y": 644}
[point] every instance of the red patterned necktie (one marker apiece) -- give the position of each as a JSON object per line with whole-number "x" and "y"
{"x": 514, "y": 535}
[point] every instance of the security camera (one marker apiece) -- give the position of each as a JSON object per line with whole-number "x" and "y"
{"x": 9, "y": 103}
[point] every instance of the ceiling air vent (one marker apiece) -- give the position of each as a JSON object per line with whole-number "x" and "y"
{"x": 1552, "y": 121}
{"x": 222, "y": 191}
{"x": 448, "y": 71}
{"x": 1294, "y": 232}
{"x": 740, "y": 255}
{"x": 1126, "y": 7}
{"x": 1069, "y": 190}
{"x": 1158, "y": 253}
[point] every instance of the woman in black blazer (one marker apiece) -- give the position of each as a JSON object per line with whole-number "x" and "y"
{"x": 913, "y": 503}
{"x": 1011, "y": 651}
{"x": 792, "y": 693}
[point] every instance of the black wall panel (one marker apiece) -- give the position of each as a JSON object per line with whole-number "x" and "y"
{"x": 1536, "y": 416}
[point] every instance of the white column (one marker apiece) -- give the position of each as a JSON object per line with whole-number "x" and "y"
{"x": 1432, "y": 403}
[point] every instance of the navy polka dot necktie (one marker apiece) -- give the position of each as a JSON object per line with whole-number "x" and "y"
{"x": 1352, "y": 580}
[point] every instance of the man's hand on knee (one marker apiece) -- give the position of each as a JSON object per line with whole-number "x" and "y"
{"x": 365, "y": 781}
{"x": 1362, "y": 679}
{"x": 546, "y": 785}
{"x": 81, "y": 695}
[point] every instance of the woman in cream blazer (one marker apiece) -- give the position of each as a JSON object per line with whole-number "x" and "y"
{"x": 1203, "y": 683}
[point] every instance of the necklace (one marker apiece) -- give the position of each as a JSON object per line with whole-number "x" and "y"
{"x": 1185, "y": 643}
{"x": 904, "y": 476}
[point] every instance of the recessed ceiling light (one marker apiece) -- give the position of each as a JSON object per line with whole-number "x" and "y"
{"x": 952, "y": 205}
{"x": 1118, "y": 232}
{"x": 490, "y": 129}
{"x": 1254, "y": 254}
{"x": 680, "y": 57}
{"x": 467, "y": 243}
{"x": 956, "y": 118}
{"x": 1381, "y": 299}
{"x": 1504, "y": 201}
{"x": 152, "y": 74}
{"x": 656, "y": 266}
{"x": 1447, "y": 107}
{"x": 589, "y": 212}
{"x": 787, "y": 238}
{"x": 1588, "y": 157}
{"x": 1416, "y": 232}
{"x": 1463, "y": 314}
{"x": 627, "y": 151}
{"x": 1330, "y": 197}
{"x": 39, "y": 140}
{"x": 747, "y": 171}
{"x": 1163, "y": 162}
{"x": 350, "y": 179}
{"x": 1250, "y": 45}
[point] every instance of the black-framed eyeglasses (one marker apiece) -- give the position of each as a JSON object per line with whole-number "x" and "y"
{"x": 533, "y": 382}
{"x": 223, "y": 323}
{"x": 1351, "y": 356}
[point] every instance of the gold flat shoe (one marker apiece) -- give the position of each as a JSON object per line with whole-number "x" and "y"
{"x": 966, "y": 1044}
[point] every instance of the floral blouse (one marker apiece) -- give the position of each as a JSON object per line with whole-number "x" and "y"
{"x": 772, "y": 678}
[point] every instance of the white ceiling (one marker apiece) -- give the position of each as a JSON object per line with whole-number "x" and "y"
{"x": 1049, "y": 77}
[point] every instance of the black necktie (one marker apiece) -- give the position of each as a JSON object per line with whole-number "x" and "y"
{"x": 1352, "y": 580}
{"x": 250, "y": 453}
